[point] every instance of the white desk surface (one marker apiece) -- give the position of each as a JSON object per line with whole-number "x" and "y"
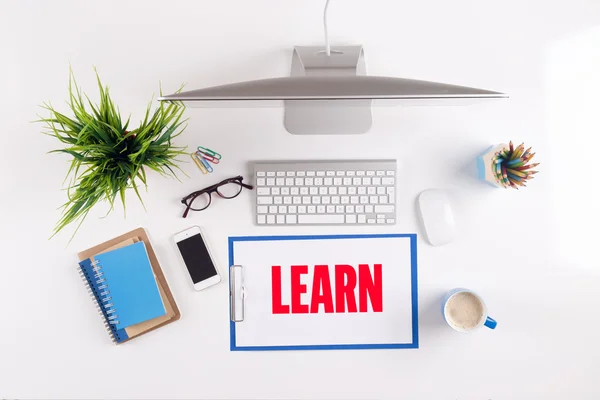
{"x": 531, "y": 254}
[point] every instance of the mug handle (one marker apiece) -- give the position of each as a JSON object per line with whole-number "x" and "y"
{"x": 490, "y": 323}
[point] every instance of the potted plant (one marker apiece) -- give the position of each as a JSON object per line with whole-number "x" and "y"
{"x": 110, "y": 157}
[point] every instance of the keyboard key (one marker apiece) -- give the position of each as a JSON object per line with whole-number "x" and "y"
{"x": 270, "y": 181}
{"x": 292, "y": 209}
{"x": 289, "y": 181}
{"x": 380, "y": 221}
{"x": 320, "y": 209}
{"x": 390, "y": 190}
{"x": 383, "y": 199}
{"x": 356, "y": 181}
{"x": 310, "y": 173}
{"x": 318, "y": 181}
{"x": 285, "y": 190}
{"x": 321, "y": 219}
{"x": 294, "y": 191}
{"x": 360, "y": 173}
{"x": 287, "y": 200}
{"x": 371, "y": 221}
{"x": 339, "y": 209}
{"x": 391, "y": 198}
{"x": 380, "y": 190}
{"x": 350, "y": 173}
{"x": 303, "y": 190}
{"x": 345, "y": 199}
{"x": 364, "y": 199}
{"x": 380, "y": 173}
{"x": 270, "y": 219}
{"x": 316, "y": 200}
{"x": 371, "y": 190}
{"x": 275, "y": 191}
{"x": 387, "y": 181}
{"x": 280, "y": 181}
{"x": 301, "y": 173}
{"x": 277, "y": 200}
{"x": 339, "y": 173}
{"x": 261, "y": 209}
{"x": 291, "y": 173}
{"x": 264, "y": 200}
{"x": 362, "y": 190}
{"x": 260, "y": 182}
{"x": 309, "y": 181}
{"x": 299, "y": 182}
{"x": 362, "y": 219}
{"x": 325, "y": 200}
{"x": 290, "y": 219}
{"x": 360, "y": 209}
{"x": 311, "y": 209}
{"x": 282, "y": 209}
{"x": 369, "y": 209}
{"x": 352, "y": 190}
{"x": 353, "y": 199}
{"x": 342, "y": 190}
{"x": 280, "y": 173}
{"x": 262, "y": 219}
{"x": 330, "y": 209}
{"x": 350, "y": 219}
{"x": 314, "y": 190}
{"x": 320, "y": 173}
{"x": 260, "y": 173}
{"x": 306, "y": 200}
{"x": 273, "y": 209}
{"x": 380, "y": 215}
{"x": 350, "y": 209}
{"x": 337, "y": 181}
{"x": 263, "y": 191}
{"x": 366, "y": 181}
{"x": 372, "y": 200}
{"x": 335, "y": 199}
{"x": 390, "y": 221}
{"x": 328, "y": 181}
{"x": 271, "y": 173}
{"x": 330, "y": 173}
{"x": 296, "y": 200}
{"x": 333, "y": 190}
{"x": 376, "y": 181}
{"x": 384, "y": 209}
{"x": 281, "y": 219}
{"x": 301, "y": 209}
{"x": 390, "y": 173}
{"x": 322, "y": 190}
{"x": 370, "y": 173}
{"x": 347, "y": 181}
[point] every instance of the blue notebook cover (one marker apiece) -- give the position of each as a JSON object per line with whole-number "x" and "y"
{"x": 127, "y": 287}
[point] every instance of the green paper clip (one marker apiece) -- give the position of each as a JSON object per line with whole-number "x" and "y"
{"x": 209, "y": 152}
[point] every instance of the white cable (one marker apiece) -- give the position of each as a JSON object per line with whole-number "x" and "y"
{"x": 327, "y": 47}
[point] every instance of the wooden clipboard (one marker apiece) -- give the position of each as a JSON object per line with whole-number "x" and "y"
{"x": 173, "y": 313}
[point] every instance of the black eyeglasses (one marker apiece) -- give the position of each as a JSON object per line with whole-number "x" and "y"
{"x": 227, "y": 189}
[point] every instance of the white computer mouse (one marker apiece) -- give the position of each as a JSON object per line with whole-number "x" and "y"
{"x": 436, "y": 215}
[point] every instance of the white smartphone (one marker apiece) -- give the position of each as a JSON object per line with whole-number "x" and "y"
{"x": 196, "y": 258}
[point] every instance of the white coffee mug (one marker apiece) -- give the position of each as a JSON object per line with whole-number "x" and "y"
{"x": 470, "y": 317}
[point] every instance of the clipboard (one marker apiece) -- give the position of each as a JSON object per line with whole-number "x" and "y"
{"x": 249, "y": 307}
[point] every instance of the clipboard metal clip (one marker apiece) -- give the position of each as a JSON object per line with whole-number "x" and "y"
{"x": 237, "y": 293}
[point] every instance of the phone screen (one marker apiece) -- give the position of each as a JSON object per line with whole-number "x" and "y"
{"x": 196, "y": 258}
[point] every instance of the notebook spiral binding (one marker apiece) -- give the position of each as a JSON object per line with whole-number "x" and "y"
{"x": 106, "y": 308}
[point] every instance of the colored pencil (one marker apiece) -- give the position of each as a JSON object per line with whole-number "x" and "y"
{"x": 510, "y": 145}
{"x": 525, "y": 167}
{"x": 516, "y": 173}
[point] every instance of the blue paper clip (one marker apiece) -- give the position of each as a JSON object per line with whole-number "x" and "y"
{"x": 206, "y": 164}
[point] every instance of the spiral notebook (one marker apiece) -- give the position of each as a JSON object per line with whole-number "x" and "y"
{"x": 123, "y": 284}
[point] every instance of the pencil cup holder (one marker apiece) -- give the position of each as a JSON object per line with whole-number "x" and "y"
{"x": 485, "y": 170}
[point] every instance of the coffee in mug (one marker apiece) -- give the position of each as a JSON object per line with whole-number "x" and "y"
{"x": 465, "y": 311}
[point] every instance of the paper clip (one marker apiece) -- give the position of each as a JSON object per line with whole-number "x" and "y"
{"x": 237, "y": 293}
{"x": 209, "y": 152}
{"x": 206, "y": 164}
{"x": 208, "y": 157}
{"x": 199, "y": 163}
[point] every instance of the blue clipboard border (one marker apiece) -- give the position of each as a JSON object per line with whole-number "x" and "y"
{"x": 414, "y": 294}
